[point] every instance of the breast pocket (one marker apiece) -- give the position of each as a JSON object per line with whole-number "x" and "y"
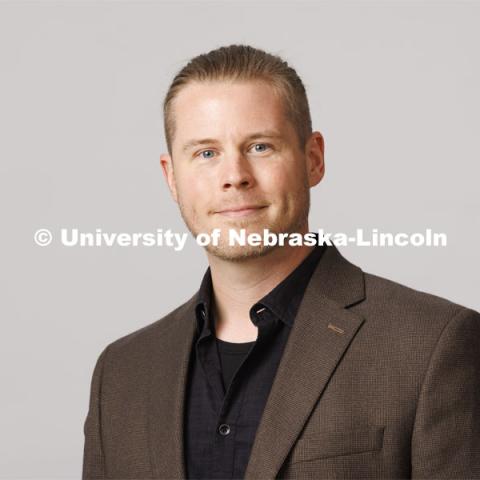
{"x": 334, "y": 443}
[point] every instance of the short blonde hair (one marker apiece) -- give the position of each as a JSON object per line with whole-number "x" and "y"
{"x": 243, "y": 63}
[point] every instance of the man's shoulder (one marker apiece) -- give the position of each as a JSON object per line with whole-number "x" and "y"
{"x": 141, "y": 336}
{"x": 401, "y": 303}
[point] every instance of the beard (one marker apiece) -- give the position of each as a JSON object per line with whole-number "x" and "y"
{"x": 285, "y": 222}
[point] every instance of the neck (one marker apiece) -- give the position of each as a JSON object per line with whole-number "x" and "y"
{"x": 238, "y": 285}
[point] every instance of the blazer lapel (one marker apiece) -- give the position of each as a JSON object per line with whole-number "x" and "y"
{"x": 322, "y": 332}
{"x": 170, "y": 353}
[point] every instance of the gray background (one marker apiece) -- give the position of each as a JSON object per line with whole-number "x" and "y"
{"x": 392, "y": 86}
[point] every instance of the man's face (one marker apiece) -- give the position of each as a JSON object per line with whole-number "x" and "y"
{"x": 236, "y": 163}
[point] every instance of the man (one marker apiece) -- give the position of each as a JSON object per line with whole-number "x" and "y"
{"x": 289, "y": 362}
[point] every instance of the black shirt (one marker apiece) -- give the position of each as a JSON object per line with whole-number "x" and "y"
{"x": 231, "y": 356}
{"x": 224, "y": 405}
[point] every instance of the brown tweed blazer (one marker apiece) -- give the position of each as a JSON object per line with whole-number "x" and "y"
{"x": 377, "y": 381}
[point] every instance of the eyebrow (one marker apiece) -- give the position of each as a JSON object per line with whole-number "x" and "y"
{"x": 202, "y": 141}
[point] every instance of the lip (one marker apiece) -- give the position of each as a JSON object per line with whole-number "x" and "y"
{"x": 242, "y": 211}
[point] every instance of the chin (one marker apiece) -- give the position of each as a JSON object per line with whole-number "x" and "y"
{"x": 239, "y": 253}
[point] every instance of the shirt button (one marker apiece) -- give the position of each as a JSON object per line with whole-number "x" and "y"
{"x": 224, "y": 429}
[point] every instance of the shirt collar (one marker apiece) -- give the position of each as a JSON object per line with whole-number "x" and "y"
{"x": 283, "y": 300}
{"x": 204, "y": 302}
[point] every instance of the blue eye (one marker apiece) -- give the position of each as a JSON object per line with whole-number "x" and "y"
{"x": 206, "y": 151}
{"x": 260, "y": 145}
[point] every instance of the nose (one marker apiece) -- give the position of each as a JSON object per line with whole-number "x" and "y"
{"x": 236, "y": 173}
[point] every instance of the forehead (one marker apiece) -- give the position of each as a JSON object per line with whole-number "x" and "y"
{"x": 222, "y": 109}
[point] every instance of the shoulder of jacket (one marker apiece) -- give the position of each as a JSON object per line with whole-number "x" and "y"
{"x": 411, "y": 301}
{"x": 159, "y": 326}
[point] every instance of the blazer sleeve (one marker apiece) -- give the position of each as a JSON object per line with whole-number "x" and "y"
{"x": 446, "y": 434}
{"x": 93, "y": 457}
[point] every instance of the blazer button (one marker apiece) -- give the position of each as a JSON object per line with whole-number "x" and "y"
{"x": 224, "y": 429}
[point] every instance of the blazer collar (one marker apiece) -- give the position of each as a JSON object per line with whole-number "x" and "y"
{"x": 322, "y": 332}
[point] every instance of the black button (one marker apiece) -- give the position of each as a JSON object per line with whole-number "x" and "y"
{"x": 224, "y": 429}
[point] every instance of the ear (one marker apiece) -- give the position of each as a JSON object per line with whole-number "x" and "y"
{"x": 315, "y": 159}
{"x": 167, "y": 168}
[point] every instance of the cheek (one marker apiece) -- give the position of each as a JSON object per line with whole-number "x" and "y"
{"x": 192, "y": 191}
{"x": 281, "y": 184}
